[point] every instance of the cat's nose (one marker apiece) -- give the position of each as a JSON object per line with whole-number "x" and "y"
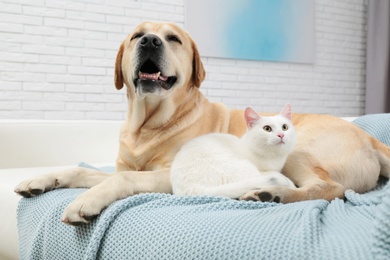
{"x": 281, "y": 136}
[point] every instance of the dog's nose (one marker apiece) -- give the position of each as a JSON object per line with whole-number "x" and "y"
{"x": 150, "y": 41}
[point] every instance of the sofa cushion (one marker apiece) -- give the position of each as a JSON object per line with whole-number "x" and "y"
{"x": 377, "y": 125}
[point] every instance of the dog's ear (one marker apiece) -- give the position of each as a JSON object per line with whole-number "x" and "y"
{"x": 198, "y": 71}
{"x": 118, "y": 77}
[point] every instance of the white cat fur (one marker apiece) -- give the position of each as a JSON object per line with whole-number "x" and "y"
{"x": 228, "y": 166}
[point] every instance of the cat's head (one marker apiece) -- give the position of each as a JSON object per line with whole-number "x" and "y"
{"x": 271, "y": 131}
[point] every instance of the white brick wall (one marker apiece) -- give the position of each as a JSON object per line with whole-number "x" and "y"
{"x": 57, "y": 60}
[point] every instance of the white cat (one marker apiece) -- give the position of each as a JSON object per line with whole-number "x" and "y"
{"x": 225, "y": 165}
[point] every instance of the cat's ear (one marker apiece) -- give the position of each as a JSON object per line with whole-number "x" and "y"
{"x": 251, "y": 117}
{"x": 286, "y": 112}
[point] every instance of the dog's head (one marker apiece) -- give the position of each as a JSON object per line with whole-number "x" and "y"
{"x": 157, "y": 58}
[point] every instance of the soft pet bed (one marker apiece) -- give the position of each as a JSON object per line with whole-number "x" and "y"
{"x": 163, "y": 226}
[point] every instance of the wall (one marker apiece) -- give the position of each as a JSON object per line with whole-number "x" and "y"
{"x": 57, "y": 59}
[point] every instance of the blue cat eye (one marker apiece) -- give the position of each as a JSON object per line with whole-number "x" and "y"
{"x": 284, "y": 127}
{"x": 267, "y": 128}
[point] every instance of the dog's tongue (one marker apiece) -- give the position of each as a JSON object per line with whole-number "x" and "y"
{"x": 152, "y": 76}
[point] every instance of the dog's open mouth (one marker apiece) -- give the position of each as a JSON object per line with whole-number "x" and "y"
{"x": 149, "y": 73}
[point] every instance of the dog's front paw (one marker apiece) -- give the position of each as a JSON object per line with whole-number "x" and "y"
{"x": 33, "y": 187}
{"x": 82, "y": 211}
{"x": 263, "y": 195}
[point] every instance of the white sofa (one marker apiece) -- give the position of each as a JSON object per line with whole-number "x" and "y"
{"x": 34, "y": 147}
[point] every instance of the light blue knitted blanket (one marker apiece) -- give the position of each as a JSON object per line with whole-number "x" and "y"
{"x": 163, "y": 226}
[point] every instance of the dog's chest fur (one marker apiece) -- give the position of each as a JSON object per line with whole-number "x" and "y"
{"x": 135, "y": 150}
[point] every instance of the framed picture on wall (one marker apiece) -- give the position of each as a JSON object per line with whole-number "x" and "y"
{"x": 268, "y": 30}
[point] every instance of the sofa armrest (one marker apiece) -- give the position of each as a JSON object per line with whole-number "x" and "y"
{"x": 31, "y": 143}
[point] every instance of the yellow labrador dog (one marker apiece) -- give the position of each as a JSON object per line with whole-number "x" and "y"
{"x": 161, "y": 68}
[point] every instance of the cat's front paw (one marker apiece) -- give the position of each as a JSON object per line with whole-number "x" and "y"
{"x": 259, "y": 195}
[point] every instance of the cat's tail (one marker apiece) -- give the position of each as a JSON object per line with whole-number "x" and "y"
{"x": 383, "y": 156}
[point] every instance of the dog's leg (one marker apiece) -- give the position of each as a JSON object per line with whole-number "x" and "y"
{"x": 78, "y": 177}
{"x": 312, "y": 185}
{"x": 313, "y": 182}
{"x": 120, "y": 185}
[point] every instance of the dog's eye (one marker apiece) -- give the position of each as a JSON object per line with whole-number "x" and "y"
{"x": 173, "y": 38}
{"x": 137, "y": 35}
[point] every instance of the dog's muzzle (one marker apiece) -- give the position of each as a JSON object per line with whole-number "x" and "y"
{"x": 149, "y": 74}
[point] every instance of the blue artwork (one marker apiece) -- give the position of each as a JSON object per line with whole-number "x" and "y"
{"x": 271, "y": 30}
